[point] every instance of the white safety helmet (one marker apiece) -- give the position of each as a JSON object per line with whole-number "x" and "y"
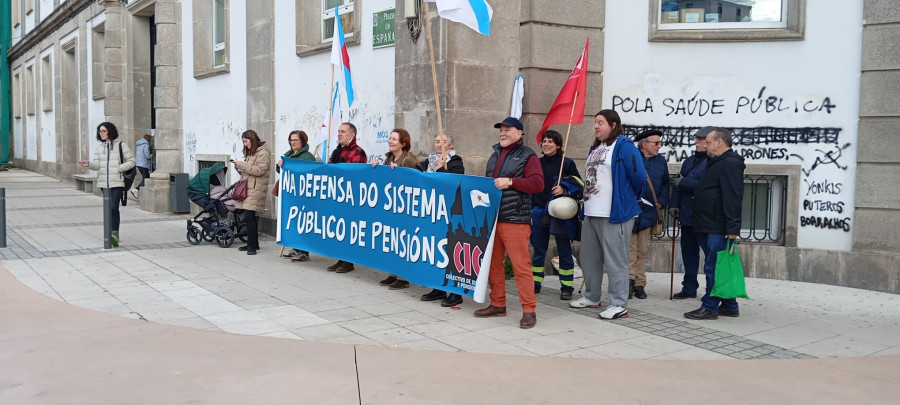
{"x": 563, "y": 208}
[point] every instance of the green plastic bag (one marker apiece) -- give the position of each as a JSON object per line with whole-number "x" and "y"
{"x": 729, "y": 273}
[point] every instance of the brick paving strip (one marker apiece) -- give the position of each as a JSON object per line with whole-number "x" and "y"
{"x": 724, "y": 343}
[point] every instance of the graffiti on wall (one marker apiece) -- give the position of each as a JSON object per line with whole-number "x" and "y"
{"x": 819, "y": 151}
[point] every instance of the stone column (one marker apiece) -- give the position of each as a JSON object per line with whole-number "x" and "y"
{"x": 114, "y": 103}
{"x": 169, "y": 108}
{"x": 261, "y": 88}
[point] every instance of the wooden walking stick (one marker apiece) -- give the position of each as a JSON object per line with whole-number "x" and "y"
{"x": 672, "y": 265}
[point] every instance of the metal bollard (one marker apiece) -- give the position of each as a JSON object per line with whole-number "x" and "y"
{"x": 107, "y": 218}
{"x": 2, "y": 217}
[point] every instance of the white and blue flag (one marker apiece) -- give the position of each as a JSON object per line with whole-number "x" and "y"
{"x": 476, "y": 14}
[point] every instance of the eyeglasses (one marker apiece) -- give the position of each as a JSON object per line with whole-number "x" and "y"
{"x": 655, "y": 143}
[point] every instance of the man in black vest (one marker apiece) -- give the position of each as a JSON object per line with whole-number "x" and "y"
{"x": 516, "y": 170}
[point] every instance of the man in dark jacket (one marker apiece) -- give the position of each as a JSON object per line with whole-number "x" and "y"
{"x": 347, "y": 151}
{"x": 691, "y": 171}
{"x": 717, "y": 216}
{"x": 516, "y": 170}
{"x": 652, "y": 200}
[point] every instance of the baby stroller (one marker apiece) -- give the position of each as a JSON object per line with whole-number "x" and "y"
{"x": 207, "y": 191}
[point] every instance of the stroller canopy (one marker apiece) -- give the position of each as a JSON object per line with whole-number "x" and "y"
{"x": 214, "y": 174}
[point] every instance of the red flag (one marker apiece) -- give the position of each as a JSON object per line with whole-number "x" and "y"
{"x": 562, "y": 112}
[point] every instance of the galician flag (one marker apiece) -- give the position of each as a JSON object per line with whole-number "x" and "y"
{"x": 479, "y": 199}
{"x": 563, "y": 111}
{"x": 339, "y": 56}
{"x": 476, "y": 14}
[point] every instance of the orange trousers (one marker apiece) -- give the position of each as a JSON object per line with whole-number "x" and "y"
{"x": 512, "y": 239}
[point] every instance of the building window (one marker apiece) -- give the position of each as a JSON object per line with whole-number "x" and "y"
{"x": 219, "y": 33}
{"x": 315, "y": 24}
{"x": 46, "y": 84}
{"x": 210, "y": 37}
{"x": 345, "y": 9}
{"x": 98, "y": 62}
{"x": 737, "y": 20}
{"x": 17, "y": 96}
{"x": 29, "y": 90}
{"x": 764, "y": 211}
{"x": 763, "y": 208}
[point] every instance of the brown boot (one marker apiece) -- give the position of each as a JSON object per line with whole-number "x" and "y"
{"x": 346, "y": 267}
{"x": 529, "y": 319}
{"x": 388, "y": 281}
{"x": 335, "y": 266}
{"x": 490, "y": 311}
{"x": 399, "y": 284}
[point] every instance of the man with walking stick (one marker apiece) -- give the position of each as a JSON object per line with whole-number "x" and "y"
{"x": 691, "y": 171}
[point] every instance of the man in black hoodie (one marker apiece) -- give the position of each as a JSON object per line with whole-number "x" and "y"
{"x": 717, "y": 216}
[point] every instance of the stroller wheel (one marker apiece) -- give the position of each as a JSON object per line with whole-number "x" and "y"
{"x": 193, "y": 235}
{"x": 224, "y": 237}
{"x": 209, "y": 237}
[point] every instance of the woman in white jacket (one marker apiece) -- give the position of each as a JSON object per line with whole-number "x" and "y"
{"x": 110, "y": 167}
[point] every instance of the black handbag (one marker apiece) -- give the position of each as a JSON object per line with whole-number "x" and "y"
{"x": 128, "y": 176}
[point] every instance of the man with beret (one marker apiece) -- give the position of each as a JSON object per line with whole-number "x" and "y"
{"x": 691, "y": 170}
{"x": 517, "y": 171}
{"x": 651, "y": 201}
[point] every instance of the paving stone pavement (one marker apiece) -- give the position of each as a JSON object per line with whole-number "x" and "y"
{"x": 54, "y": 237}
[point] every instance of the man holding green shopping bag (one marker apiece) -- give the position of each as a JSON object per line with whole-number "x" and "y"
{"x": 717, "y": 217}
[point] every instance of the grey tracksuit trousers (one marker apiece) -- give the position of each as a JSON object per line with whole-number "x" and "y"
{"x": 605, "y": 244}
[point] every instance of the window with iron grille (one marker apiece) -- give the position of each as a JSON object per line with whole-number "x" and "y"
{"x": 763, "y": 212}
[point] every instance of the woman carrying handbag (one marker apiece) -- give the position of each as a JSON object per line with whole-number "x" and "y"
{"x": 254, "y": 170}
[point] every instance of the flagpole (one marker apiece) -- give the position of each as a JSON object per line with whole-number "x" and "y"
{"x": 437, "y": 100}
{"x": 566, "y": 141}
{"x": 330, "y": 113}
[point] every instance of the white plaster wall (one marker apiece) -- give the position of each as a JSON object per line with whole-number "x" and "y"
{"x": 303, "y": 84}
{"x": 46, "y": 7}
{"x": 824, "y": 67}
{"x": 215, "y": 108}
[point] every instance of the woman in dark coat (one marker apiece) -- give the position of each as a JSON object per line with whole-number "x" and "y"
{"x": 299, "y": 142}
{"x": 551, "y": 146}
{"x": 435, "y": 163}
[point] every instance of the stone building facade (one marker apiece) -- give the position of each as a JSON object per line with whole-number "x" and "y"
{"x": 149, "y": 66}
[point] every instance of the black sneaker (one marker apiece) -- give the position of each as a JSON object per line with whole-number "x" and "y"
{"x": 452, "y": 300}
{"x": 537, "y": 288}
{"x": 434, "y": 295}
{"x": 683, "y": 295}
{"x": 729, "y": 313}
{"x": 701, "y": 314}
{"x": 639, "y": 293}
{"x": 565, "y": 295}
